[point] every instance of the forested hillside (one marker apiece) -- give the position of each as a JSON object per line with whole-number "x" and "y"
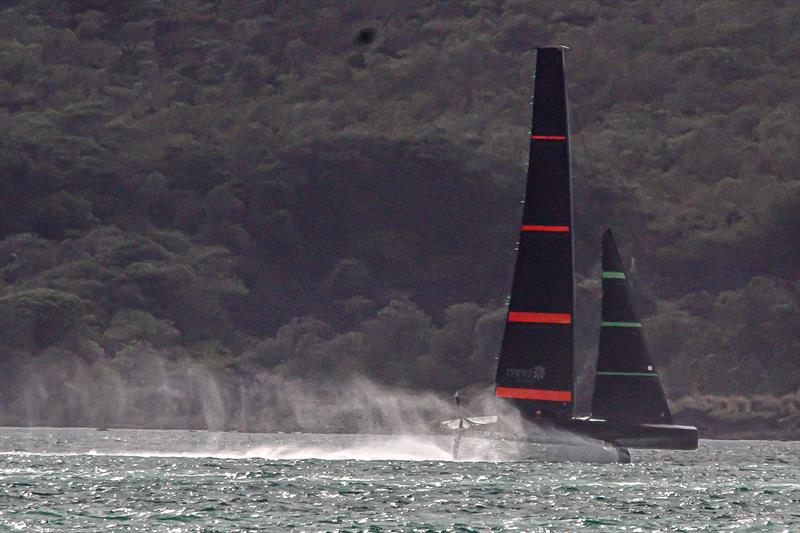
{"x": 221, "y": 191}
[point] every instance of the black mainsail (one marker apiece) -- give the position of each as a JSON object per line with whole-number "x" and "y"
{"x": 536, "y": 358}
{"x": 626, "y": 386}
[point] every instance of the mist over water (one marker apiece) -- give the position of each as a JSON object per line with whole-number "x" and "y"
{"x": 161, "y": 393}
{"x": 155, "y": 390}
{"x": 414, "y": 434}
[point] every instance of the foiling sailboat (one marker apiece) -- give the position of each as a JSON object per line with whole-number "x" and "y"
{"x": 536, "y": 365}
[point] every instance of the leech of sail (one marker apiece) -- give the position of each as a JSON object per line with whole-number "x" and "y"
{"x": 534, "y": 227}
{"x": 549, "y": 137}
{"x": 622, "y": 324}
{"x": 645, "y": 374}
{"x": 540, "y": 318}
{"x": 534, "y": 394}
{"x": 613, "y": 275}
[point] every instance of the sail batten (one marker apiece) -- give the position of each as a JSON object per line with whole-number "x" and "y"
{"x": 536, "y": 359}
{"x": 539, "y": 227}
{"x": 612, "y": 324}
{"x": 535, "y": 394}
{"x": 540, "y": 318}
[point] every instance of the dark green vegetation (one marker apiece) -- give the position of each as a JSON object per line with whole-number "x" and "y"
{"x": 247, "y": 188}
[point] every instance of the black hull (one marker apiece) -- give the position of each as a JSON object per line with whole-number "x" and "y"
{"x": 652, "y": 436}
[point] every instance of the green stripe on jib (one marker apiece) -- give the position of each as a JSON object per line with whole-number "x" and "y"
{"x": 647, "y": 374}
{"x": 613, "y": 275}
{"x": 623, "y": 324}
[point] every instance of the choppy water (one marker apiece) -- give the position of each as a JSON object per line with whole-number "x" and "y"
{"x": 86, "y": 480}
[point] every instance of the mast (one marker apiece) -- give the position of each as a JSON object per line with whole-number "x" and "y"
{"x": 535, "y": 366}
{"x": 627, "y": 388}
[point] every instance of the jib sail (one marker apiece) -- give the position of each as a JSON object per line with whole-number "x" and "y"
{"x": 536, "y": 359}
{"x": 626, "y": 388}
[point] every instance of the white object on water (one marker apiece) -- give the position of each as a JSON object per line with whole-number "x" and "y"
{"x": 468, "y": 422}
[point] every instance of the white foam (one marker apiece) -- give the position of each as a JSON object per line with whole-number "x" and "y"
{"x": 294, "y": 447}
{"x": 365, "y": 448}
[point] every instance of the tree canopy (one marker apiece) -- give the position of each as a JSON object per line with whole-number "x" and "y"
{"x": 267, "y": 187}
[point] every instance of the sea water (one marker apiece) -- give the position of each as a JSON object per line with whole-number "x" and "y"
{"x": 143, "y": 480}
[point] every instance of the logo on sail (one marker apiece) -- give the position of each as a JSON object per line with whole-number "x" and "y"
{"x": 536, "y": 373}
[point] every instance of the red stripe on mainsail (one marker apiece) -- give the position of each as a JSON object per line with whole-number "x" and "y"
{"x": 534, "y": 227}
{"x": 540, "y": 318}
{"x": 534, "y": 394}
{"x": 549, "y": 137}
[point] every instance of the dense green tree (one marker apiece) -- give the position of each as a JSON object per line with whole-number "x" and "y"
{"x": 248, "y": 187}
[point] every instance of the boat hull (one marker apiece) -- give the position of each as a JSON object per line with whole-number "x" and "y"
{"x": 491, "y": 447}
{"x": 652, "y": 436}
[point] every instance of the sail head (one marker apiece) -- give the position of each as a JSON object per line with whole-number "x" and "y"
{"x": 535, "y": 367}
{"x": 627, "y": 388}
